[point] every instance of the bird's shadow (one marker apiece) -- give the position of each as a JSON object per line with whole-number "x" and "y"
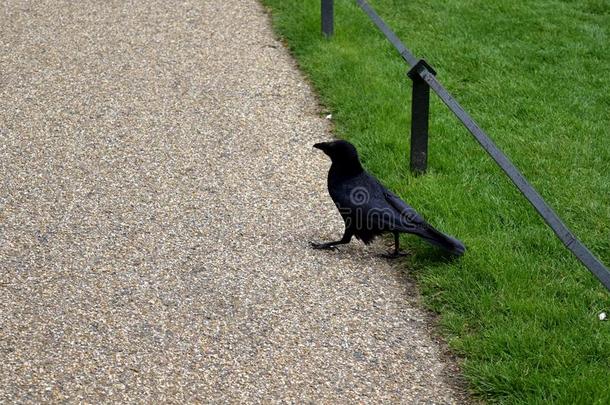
{"x": 383, "y": 248}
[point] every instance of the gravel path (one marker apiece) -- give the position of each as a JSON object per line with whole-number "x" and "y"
{"x": 158, "y": 192}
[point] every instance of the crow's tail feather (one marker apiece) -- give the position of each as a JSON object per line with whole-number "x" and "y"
{"x": 437, "y": 238}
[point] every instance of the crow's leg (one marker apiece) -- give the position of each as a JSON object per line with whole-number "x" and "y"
{"x": 396, "y": 253}
{"x": 396, "y": 243}
{"x": 347, "y": 236}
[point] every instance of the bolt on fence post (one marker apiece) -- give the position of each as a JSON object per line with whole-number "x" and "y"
{"x": 327, "y": 17}
{"x": 420, "y": 108}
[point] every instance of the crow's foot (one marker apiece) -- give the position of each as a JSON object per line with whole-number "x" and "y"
{"x": 323, "y": 246}
{"x": 394, "y": 255}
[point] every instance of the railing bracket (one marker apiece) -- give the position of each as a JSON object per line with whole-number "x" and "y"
{"x": 415, "y": 72}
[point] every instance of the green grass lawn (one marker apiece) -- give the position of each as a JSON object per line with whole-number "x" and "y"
{"x": 518, "y": 308}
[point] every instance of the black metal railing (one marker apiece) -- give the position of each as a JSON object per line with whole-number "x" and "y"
{"x": 424, "y": 79}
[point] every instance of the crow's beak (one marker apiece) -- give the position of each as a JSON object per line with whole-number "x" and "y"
{"x": 321, "y": 146}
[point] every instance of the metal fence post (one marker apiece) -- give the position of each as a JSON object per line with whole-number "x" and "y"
{"x": 327, "y": 17}
{"x": 420, "y": 108}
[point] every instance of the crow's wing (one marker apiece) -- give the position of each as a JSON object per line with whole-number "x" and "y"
{"x": 361, "y": 198}
{"x": 406, "y": 212}
{"x": 416, "y": 224}
{"x": 364, "y": 199}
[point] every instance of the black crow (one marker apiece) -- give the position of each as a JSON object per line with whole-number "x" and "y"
{"x": 368, "y": 208}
